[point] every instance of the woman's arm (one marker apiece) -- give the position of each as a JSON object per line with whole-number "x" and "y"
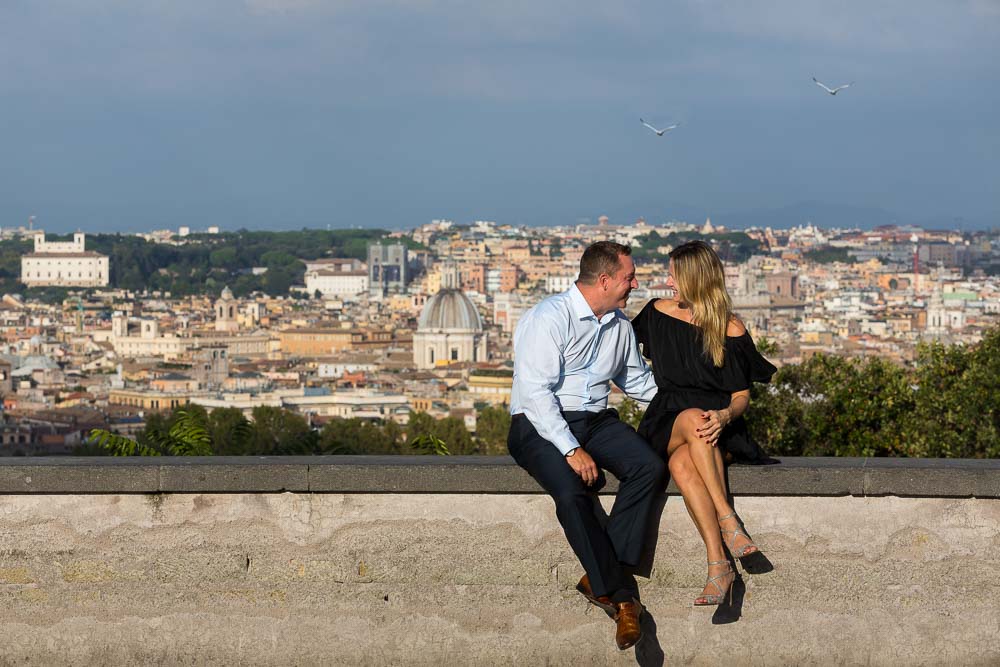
{"x": 716, "y": 420}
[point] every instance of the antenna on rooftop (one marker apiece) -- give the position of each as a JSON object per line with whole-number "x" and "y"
{"x": 31, "y": 222}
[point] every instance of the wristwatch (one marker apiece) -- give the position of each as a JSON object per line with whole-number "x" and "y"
{"x": 572, "y": 452}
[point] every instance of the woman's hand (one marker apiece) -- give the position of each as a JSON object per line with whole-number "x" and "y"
{"x": 715, "y": 421}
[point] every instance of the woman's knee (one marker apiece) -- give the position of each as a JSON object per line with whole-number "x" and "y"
{"x": 687, "y": 423}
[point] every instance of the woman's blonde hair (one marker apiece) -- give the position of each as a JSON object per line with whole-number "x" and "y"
{"x": 701, "y": 281}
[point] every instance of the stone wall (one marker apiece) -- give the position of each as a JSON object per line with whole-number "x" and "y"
{"x": 441, "y": 561}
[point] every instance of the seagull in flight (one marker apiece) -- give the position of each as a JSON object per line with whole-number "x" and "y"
{"x": 659, "y": 133}
{"x": 833, "y": 91}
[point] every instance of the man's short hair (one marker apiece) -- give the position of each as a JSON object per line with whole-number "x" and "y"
{"x": 601, "y": 257}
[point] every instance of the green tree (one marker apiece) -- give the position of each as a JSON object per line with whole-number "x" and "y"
{"x": 429, "y": 444}
{"x": 829, "y": 254}
{"x": 231, "y": 432}
{"x": 278, "y": 280}
{"x": 945, "y": 406}
{"x": 492, "y": 426}
{"x": 186, "y": 436}
{"x": 360, "y": 436}
{"x": 280, "y": 431}
{"x": 450, "y": 430}
{"x": 224, "y": 258}
{"x": 767, "y": 347}
{"x": 957, "y": 400}
{"x": 275, "y": 258}
{"x": 845, "y": 407}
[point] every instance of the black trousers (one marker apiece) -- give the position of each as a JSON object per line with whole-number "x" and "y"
{"x": 603, "y": 550}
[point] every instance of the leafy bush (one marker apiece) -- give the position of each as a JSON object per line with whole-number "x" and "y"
{"x": 946, "y": 405}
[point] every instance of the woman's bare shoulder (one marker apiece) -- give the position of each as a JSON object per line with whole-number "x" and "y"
{"x": 735, "y": 329}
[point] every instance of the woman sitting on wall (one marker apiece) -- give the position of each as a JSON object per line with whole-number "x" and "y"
{"x": 704, "y": 361}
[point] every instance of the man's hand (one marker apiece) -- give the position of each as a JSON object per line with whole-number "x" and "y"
{"x": 583, "y": 465}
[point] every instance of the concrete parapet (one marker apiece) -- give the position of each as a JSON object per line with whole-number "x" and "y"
{"x": 812, "y": 476}
{"x": 869, "y": 568}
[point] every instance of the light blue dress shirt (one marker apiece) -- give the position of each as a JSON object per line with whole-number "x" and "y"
{"x": 565, "y": 360}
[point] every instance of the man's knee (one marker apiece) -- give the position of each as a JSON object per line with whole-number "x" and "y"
{"x": 648, "y": 468}
{"x": 572, "y": 500}
{"x": 657, "y": 468}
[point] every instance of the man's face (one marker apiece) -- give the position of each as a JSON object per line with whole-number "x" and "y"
{"x": 620, "y": 285}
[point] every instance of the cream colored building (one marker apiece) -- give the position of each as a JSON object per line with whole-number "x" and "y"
{"x": 449, "y": 329}
{"x": 150, "y": 342}
{"x": 64, "y": 264}
{"x": 346, "y": 404}
{"x": 493, "y": 388}
{"x": 336, "y": 277}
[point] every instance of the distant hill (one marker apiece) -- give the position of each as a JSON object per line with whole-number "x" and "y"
{"x": 817, "y": 213}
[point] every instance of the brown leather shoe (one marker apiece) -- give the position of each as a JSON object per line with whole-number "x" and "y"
{"x": 627, "y": 618}
{"x": 604, "y": 602}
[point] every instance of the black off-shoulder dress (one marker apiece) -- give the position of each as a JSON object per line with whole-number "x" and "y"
{"x": 686, "y": 378}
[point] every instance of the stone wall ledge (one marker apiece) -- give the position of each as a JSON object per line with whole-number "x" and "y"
{"x": 790, "y": 476}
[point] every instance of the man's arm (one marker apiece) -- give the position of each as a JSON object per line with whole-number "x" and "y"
{"x": 635, "y": 377}
{"x": 538, "y": 369}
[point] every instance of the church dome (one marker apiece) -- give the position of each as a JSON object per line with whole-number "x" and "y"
{"x": 449, "y": 309}
{"x": 227, "y": 293}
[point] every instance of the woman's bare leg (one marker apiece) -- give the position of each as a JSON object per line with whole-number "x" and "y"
{"x": 698, "y": 501}
{"x": 708, "y": 459}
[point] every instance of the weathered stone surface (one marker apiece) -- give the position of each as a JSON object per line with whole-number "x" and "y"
{"x": 441, "y": 579}
{"x": 234, "y": 474}
{"x": 419, "y": 474}
{"x": 822, "y": 476}
{"x": 948, "y": 478}
{"x": 78, "y": 475}
{"x": 474, "y": 474}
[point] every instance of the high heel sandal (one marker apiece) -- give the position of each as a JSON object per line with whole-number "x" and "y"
{"x": 710, "y": 599}
{"x": 730, "y": 542}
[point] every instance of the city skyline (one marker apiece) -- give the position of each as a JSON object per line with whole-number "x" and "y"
{"x": 277, "y": 114}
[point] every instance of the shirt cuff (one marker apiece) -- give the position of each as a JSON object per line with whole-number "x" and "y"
{"x": 566, "y": 445}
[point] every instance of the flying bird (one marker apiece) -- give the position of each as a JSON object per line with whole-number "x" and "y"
{"x": 833, "y": 91}
{"x": 659, "y": 133}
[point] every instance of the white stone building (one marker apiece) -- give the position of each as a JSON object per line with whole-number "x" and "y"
{"x": 336, "y": 277}
{"x": 449, "y": 329}
{"x": 64, "y": 264}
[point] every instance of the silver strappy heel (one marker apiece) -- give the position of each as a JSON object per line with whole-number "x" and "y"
{"x": 706, "y": 600}
{"x": 730, "y": 542}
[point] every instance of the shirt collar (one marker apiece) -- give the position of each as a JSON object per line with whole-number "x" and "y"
{"x": 582, "y": 309}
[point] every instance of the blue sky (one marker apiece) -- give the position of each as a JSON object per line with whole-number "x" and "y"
{"x": 126, "y": 115}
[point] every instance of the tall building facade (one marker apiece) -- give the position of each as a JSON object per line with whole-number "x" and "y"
{"x": 388, "y": 270}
